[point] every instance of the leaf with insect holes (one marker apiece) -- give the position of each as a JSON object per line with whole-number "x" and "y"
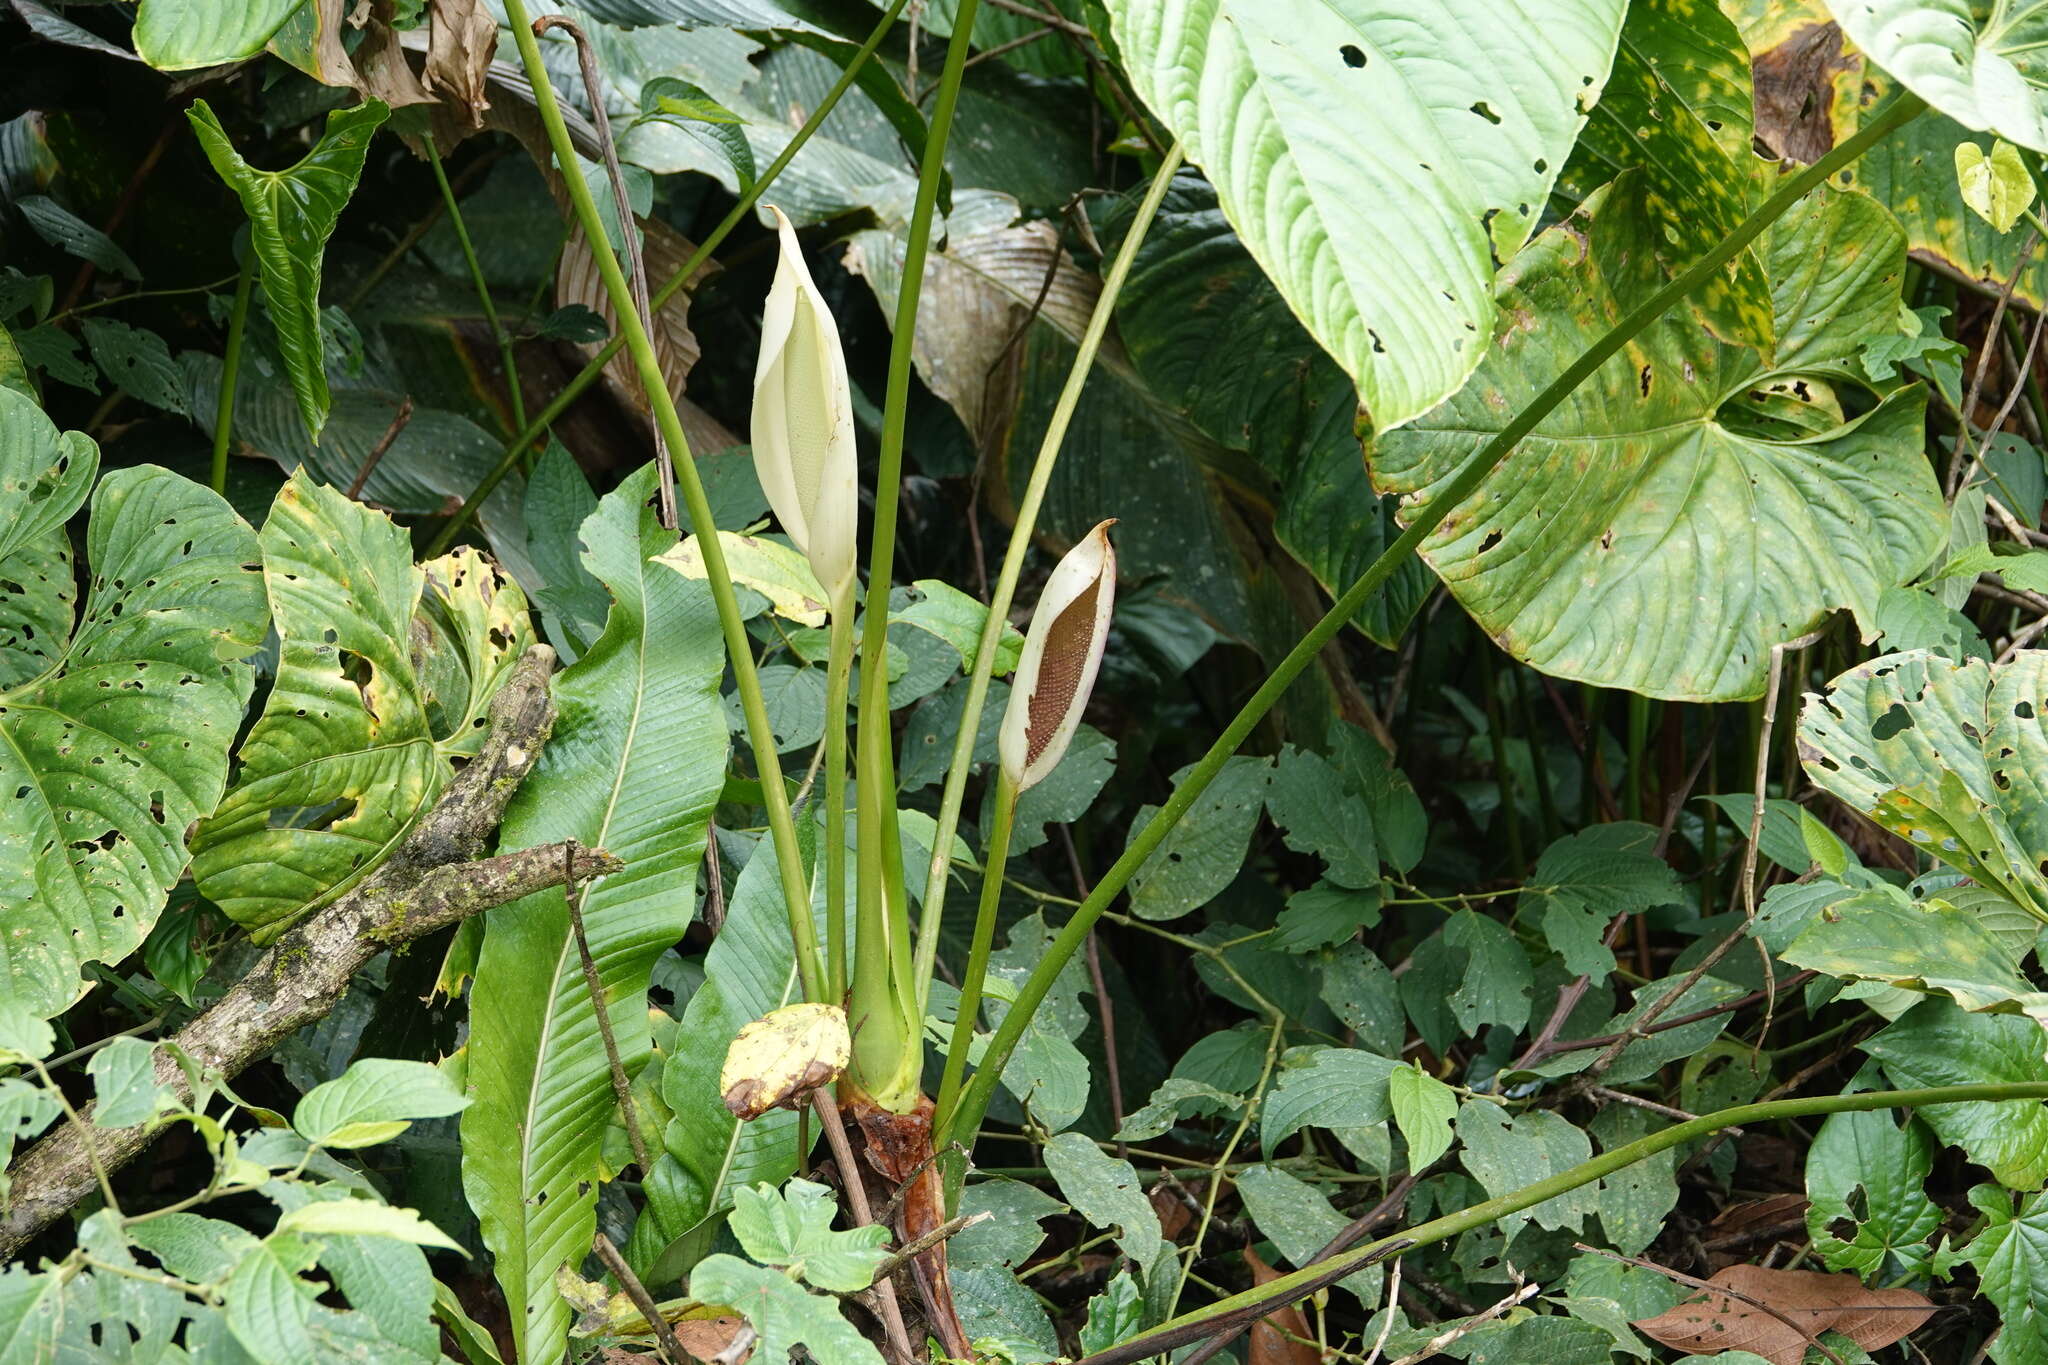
{"x": 103, "y": 781}
{"x": 1812, "y": 1301}
{"x": 1979, "y": 64}
{"x": 384, "y": 678}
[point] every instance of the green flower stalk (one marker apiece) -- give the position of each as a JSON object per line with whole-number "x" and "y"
{"x": 804, "y": 455}
{"x": 1055, "y": 676}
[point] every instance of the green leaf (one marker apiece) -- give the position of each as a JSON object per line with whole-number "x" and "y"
{"x": 1012, "y": 1232}
{"x": 686, "y": 106}
{"x": 1308, "y": 800}
{"x": 635, "y": 765}
{"x": 26, "y": 1109}
{"x": 1175, "y": 1098}
{"x": 1949, "y": 756}
{"x": 1113, "y": 1315}
{"x": 1423, "y": 1108}
{"x": 373, "y": 1101}
{"x": 1984, "y": 73}
{"x": 1324, "y": 915}
{"x": 1937, "y": 1044}
{"x": 781, "y": 1311}
{"x": 1361, "y": 991}
{"x": 177, "y": 35}
{"x": 1635, "y": 1200}
{"x": 192, "y": 1246}
{"x": 138, "y": 361}
{"x": 1497, "y": 983}
{"x": 364, "y": 1218}
{"x": 1646, "y": 1056}
{"x": 1505, "y": 1155}
{"x": 1203, "y": 852}
{"x": 63, "y": 229}
{"x": 124, "y": 1086}
{"x": 945, "y": 611}
{"x": 1586, "y": 880}
{"x": 373, "y": 701}
{"x": 1677, "y": 104}
{"x": 792, "y": 1228}
{"x": 104, "y": 780}
{"x": 24, "y": 1035}
{"x": 2011, "y": 1256}
{"x": 1996, "y": 188}
{"x": 1881, "y": 935}
{"x": 1866, "y": 1175}
{"x": 291, "y": 213}
{"x": 1656, "y": 494}
{"x": 1375, "y": 168}
{"x": 1338, "y": 1087}
{"x": 269, "y": 1308}
{"x": 1297, "y": 1218}
{"x": 1106, "y": 1192}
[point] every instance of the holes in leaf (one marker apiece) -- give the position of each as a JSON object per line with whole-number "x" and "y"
{"x": 2025, "y": 710}
{"x": 1353, "y": 55}
{"x": 1492, "y": 539}
{"x": 1643, "y": 381}
{"x": 1891, "y": 723}
{"x": 1485, "y": 111}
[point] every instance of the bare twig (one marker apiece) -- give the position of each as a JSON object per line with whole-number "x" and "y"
{"x": 431, "y": 881}
{"x": 1393, "y": 1308}
{"x": 1669, "y": 1111}
{"x": 1105, "y": 1009}
{"x": 2012, "y": 398}
{"x": 398, "y": 421}
{"x": 917, "y": 1246}
{"x": 1984, "y": 356}
{"x": 887, "y": 1213}
{"x": 1473, "y": 1323}
{"x": 1693, "y": 1282}
{"x": 857, "y": 1196}
{"x": 623, "y": 1088}
{"x": 593, "y": 88}
{"x": 1559, "y": 1047}
{"x": 664, "y": 1335}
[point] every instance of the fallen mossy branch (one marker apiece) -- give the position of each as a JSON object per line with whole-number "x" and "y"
{"x": 435, "y": 879}
{"x": 1240, "y": 1310}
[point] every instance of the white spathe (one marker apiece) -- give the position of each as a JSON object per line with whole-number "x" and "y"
{"x": 1062, "y": 654}
{"x": 803, "y": 420}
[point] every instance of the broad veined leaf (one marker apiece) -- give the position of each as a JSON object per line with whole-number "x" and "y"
{"x": 782, "y": 1311}
{"x": 1677, "y": 104}
{"x": 1504, "y": 1154}
{"x": 1866, "y": 1177}
{"x": 1376, "y": 161}
{"x": 1105, "y": 1191}
{"x": 2011, "y": 1256}
{"x": 1934, "y": 1043}
{"x": 114, "y": 734}
{"x": 176, "y": 35}
{"x": 792, "y": 1228}
{"x": 384, "y": 673}
{"x": 291, "y": 212}
{"x": 635, "y": 765}
{"x": 1949, "y": 756}
{"x": 1981, "y": 64}
{"x": 1272, "y": 393}
{"x": 1883, "y": 935}
{"x": 1657, "y": 532}
{"x": 1297, "y": 1218}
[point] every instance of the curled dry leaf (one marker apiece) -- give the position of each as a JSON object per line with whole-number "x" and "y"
{"x": 1808, "y": 1303}
{"x": 462, "y": 38}
{"x": 1280, "y": 1338}
{"x": 665, "y": 251}
{"x": 783, "y": 1056}
{"x": 710, "y": 1338}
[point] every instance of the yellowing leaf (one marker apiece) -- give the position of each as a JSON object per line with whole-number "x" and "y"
{"x": 774, "y": 570}
{"x": 1996, "y": 187}
{"x": 784, "y": 1054}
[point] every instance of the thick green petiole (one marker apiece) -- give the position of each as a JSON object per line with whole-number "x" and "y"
{"x": 796, "y": 890}
{"x": 888, "y": 1003}
{"x": 974, "y": 1103}
{"x": 230, "y": 371}
{"x": 586, "y": 376}
{"x": 995, "y": 856}
{"x": 1005, "y": 589}
{"x": 1239, "y": 1308}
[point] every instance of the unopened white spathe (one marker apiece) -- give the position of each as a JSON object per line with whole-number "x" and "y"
{"x": 803, "y": 420}
{"x": 1062, "y": 654}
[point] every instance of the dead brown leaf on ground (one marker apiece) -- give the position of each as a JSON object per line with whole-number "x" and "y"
{"x": 1807, "y": 1303}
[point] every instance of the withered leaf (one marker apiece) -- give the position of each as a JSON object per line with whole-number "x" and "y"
{"x": 1808, "y": 1303}
{"x": 1281, "y": 1338}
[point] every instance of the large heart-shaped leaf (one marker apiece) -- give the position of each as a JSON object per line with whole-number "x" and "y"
{"x": 1667, "y": 524}
{"x": 176, "y": 35}
{"x": 635, "y": 765}
{"x": 1949, "y": 756}
{"x": 1984, "y": 65}
{"x": 291, "y": 213}
{"x": 1375, "y": 158}
{"x": 114, "y": 735}
{"x": 375, "y": 696}
{"x": 1677, "y": 105}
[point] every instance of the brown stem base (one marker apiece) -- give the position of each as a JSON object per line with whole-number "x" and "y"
{"x": 899, "y": 1148}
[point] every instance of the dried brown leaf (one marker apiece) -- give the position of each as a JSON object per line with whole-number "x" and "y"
{"x": 704, "y": 1338}
{"x": 675, "y": 345}
{"x": 1798, "y": 90}
{"x": 1281, "y": 1338}
{"x": 1806, "y": 1303}
{"x": 462, "y": 37}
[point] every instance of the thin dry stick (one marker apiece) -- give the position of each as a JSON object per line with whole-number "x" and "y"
{"x": 2021, "y": 638}
{"x": 1680, "y": 1277}
{"x": 917, "y": 1246}
{"x": 398, "y": 421}
{"x": 2012, "y": 398}
{"x": 1105, "y": 1010}
{"x": 1984, "y": 356}
{"x": 1669, "y": 1111}
{"x": 664, "y": 1335}
{"x": 593, "y": 87}
{"x": 623, "y": 1088}
{"x": 1471, "y": 1324}
{"x": 1561, "y": 1046}
{"x": 857, "y": 1196}
{"x": 1393, "y": 1305}
{"x": 887, "y": 1213}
